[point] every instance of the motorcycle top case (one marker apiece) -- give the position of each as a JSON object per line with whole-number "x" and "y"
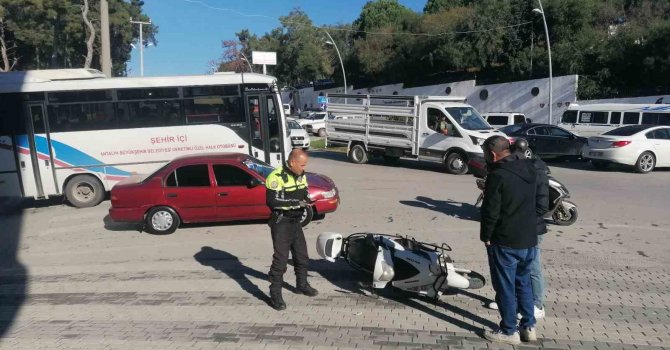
{"x": 329, "y": 245}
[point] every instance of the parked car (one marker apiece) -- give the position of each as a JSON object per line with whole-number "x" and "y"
{"x": 299, "y": 137}
{"x": 501, "y": 119}
{"x": 644, "y": 147}
{"x": 315, "y": 123}
{"x": 208, "y": 188}
{"x": 547, "y": 141}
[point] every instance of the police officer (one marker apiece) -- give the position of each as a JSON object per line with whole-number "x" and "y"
{"x": 287, "y": 196}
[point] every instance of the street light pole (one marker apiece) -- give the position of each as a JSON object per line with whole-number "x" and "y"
{"x": 247, "y": 60}
{"x": 546, "y": 31}
{"x": 344, "y": 74}
{"x": 141, "y": 44}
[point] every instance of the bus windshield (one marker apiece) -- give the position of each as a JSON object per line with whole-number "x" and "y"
{"x": 468, "y": 118}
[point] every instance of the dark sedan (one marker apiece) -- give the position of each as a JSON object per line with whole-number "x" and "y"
{"x": 548, "y": 141}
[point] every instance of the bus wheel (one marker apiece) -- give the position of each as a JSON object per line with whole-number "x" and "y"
{"x": 83, "y": 191}
{"x": 456, "y": 164}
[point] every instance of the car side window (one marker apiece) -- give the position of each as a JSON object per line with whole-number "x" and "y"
{"x": 659, "y": 134}
{"x": 230, "y": 175}
{"x": 542, "y": 131}
{"x": 189, "y": 176}
{"x": 531, "y": 131}
{"x": 558, "y": 132}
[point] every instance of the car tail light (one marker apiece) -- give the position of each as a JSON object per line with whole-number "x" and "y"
{"x": 616, "y": 144}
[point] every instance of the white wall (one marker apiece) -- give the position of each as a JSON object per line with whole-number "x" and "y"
{"x": 506, "y": 97}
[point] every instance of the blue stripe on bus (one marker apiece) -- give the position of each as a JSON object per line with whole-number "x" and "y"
{"x": 69, "y": 155}
{"x": 660, "y": 108}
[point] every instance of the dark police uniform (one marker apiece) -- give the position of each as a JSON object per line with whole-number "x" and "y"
{"x": 287, "y": 197}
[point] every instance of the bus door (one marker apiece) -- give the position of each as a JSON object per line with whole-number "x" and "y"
{"x": 10, "y": 185}
{"x": 43, "y": 182}
{"x": 265, "y": 127}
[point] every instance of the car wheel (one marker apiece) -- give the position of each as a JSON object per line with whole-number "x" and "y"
{"x": 645, "y": 163}
{"x": 322, "y": 132}
{"x": 600, "y": 165}
{"x": 456, "y": 164}
{"x": 307, "y": 216}
{"x": 84, "y": 191}
{"x": 162, "y": 221}
{"x": 358, "y": 154}
{"x": 528, "y": 153}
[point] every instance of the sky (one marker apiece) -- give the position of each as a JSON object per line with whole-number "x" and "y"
{"x": 191, "y": 31}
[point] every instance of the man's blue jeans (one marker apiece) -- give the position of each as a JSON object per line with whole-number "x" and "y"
{"x": 510, "y": 276}
{"x": 536, "y": 276}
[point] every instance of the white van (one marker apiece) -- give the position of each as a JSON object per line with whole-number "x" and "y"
{"x": 502, "y": 119}
{"x": 434, "y": 128}
{"x": 595, "y": 119}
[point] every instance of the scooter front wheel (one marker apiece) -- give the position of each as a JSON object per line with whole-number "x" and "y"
{"x": 565, "y": 217}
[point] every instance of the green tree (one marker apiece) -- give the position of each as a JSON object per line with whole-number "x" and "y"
{"x": 43, "y": 34}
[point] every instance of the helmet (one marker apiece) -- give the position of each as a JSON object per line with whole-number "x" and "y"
{"x": 520, "y": 145}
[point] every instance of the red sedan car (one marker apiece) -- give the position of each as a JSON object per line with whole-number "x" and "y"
{"x": 208, "y": 188}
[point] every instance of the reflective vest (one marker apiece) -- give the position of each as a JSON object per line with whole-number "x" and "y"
{"x": 287, "y": 188}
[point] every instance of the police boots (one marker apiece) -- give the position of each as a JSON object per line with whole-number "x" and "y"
{"x": 276, "y": 300}
{"x": 306, "y": 289}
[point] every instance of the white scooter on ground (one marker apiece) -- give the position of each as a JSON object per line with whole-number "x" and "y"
{"x": 405, "y": 263}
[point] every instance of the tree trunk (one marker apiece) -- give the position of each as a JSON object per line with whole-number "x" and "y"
{"x": 6, "y": 65}
{"x": 91, "y": 35}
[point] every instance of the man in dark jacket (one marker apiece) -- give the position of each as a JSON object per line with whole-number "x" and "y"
{"x": 509, "y": 231}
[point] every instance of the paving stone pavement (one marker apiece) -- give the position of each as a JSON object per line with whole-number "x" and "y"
{"x": 71, "y": 279}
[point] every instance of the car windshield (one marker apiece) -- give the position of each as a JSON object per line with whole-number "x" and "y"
{"x": 511, "y": 129}
{"x": 263, "y": 169}
{"x": 627, "y": 130}
{"x": 292, "y": 124}
{"x": 468, "y": 118}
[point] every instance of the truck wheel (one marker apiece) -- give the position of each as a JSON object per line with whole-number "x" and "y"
{"x": 456, "y": 164}
{"x": 84, "y": 191}
{"x": 358, "y": 154}
{"x": 322, "y": 132}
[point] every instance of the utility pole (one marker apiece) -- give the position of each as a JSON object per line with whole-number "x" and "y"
{"x": 105, "y": 55}
{"x": 141, "y": 44}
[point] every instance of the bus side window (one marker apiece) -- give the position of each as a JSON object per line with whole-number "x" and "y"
{"x": 615, "y": 118}
{"x": 569, "y": 117}
{"x": 656, "y": 118}
{"x": 631, "y": 118}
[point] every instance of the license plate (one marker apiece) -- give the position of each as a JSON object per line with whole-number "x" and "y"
{"x": 596, "y": 154}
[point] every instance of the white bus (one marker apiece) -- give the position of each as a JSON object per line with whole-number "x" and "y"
{"x": 75, "y": 133}
{"x": 595, "y": 119}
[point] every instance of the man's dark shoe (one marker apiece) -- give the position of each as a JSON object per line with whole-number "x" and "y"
{"x": 307, "y": 290}
{"x": 277, "y": 302}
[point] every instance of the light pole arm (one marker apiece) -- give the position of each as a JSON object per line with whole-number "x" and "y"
{"x": 344, "y": 74}
{"x": 246, "y": 59}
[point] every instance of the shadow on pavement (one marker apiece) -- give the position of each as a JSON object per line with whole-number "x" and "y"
{"x": 401, "y": 163}
{"x": 13, "y": 275}
{"x": 231, "y": 265}
{"x": 458, "y": 210}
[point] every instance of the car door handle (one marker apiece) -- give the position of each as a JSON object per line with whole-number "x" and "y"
{"x": 223, "y": 194}
{"x": 172, "y": 195}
